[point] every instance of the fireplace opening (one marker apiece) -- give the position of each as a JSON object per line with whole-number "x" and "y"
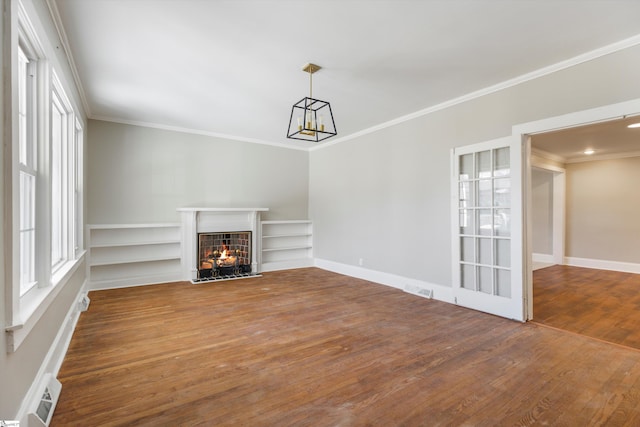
{"x": 224, "y": 255}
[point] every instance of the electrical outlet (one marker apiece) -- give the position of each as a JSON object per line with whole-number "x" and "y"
{"x": 360, "y": 262}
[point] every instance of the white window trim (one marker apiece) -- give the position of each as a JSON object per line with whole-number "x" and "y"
{"x": 24, "y": 312}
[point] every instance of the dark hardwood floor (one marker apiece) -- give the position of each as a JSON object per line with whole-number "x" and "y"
{"x": 312, "y": 348}
{"x": 597, "y": 303}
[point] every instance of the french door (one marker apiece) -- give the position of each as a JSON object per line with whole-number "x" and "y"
{"x": 487, "y": 227}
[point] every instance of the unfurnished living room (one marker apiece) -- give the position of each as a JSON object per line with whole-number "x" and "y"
{"x": 320, "y": 213}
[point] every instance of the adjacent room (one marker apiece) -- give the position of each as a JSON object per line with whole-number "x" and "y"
{"x": 585, "y": 231}
{"x": 319, "y": 213}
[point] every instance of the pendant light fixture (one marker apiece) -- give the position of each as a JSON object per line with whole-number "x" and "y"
{"x": 311, "y": 119}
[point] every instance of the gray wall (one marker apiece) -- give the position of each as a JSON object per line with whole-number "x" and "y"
{"x": 602, "y": 210}
{"x": 18, "y": 370}
{"x": 140, "y": 175}
{"x": 542, "y": 211}
{"x": 385, "y": 196}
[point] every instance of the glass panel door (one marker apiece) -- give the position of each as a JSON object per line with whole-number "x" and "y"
{"x": 487, "y": 235}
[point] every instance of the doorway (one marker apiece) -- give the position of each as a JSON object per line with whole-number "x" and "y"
{"x": 576, "y": 290}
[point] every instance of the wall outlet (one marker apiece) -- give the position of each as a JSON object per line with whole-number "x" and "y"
{"x": 360, "y": 262}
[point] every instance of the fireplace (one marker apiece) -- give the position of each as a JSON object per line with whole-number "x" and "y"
{"x": 224, "y": 255}
{"x": 206, "y": 230}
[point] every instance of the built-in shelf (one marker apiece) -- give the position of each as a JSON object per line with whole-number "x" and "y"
{"x": 133, "y": 254}
{"x": 286, "y": 244}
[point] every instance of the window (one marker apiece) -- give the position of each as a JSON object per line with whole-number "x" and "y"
{"x": 64, "y": 137}
{"x": 44, "y": 210}
{"x": 27, "y": 149}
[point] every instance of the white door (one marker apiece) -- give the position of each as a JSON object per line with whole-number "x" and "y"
{"x": 487, "y": 227}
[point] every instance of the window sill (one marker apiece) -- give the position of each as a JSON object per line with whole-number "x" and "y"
{"x": 35, "y": 303}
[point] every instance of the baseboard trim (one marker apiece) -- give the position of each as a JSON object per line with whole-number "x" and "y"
{"x": 625, "y": 267}
{"x": 127, "y": 282}
{"x": 53, "y": 360}
{"x": 286, "y": 265}
{"x": 547, "y": 258}
{"x": 439, "y": 292}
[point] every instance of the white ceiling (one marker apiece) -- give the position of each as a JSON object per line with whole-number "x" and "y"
{"x": 233, "y": 67}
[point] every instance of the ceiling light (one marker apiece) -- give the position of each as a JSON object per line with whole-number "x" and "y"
{"x": 589, "y": 151}
{"x": 313, "y": 117}
{"x": 634, "y": 125}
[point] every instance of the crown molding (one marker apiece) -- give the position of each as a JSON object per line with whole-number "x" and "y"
{"x": 197, "y": 132}
{"x": 596, "y": 157}
{"x": 64, "y": 40}
{"x": 571, "y": 62}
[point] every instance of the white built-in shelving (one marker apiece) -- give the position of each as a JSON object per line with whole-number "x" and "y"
{"x": 286, "y": 244}
{"x": 133, "y": 254}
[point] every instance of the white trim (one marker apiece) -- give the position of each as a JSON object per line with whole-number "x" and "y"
{"x": 576, "y": 60}
{"x": 601, "y": 264}
{"x": 439, "y": 292}
{"x": 53, "y": 359}
{"x": 579, "y": 118}
{"x": 198, "y": 132}
{"x": 36, "y": 302}
{"x": 603, "y": 157}
{"x": 546, "y": 258}
{"x": 287, "y": 265}
{"x": 64, "y": 40}
{"x": 128, "y": 282}
{"x": 539, "y": 156}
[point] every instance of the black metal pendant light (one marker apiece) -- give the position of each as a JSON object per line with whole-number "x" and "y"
{"x": 311, "y": 119}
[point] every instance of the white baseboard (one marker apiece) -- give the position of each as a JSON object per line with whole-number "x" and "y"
{"x": 625, "y": 267}
{"x": 127, "y": 282}
{"x": 546, "y": 258}
{"x": 286, "y": 265}
{"x": 439, "y": 292}
{"x": 53, "y": 360}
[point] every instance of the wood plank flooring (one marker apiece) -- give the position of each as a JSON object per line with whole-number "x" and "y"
{"x": 312, "y": 348}
{"x": 597, "y": 303}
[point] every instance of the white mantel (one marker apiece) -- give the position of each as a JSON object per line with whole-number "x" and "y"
{"x": 214, "y": 220}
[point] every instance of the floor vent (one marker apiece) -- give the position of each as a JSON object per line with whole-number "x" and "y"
{"x": 83, "y": 304}
{"x": 417, "y": 290}
{"x": 42, "y": 409}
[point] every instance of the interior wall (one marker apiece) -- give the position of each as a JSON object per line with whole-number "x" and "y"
{"x": 602, "y": 210}
{"x": 542, "y": 211}
{"x": 385, "y": 196}
{"x": 142, "y": 175}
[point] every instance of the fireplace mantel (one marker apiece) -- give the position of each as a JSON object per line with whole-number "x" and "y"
{"x": 206, "y": 219}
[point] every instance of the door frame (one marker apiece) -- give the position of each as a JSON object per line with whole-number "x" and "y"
{"x": 524, "y": 131}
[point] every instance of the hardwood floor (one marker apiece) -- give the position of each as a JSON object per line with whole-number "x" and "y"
{"x": 312, "y": 348}
{"x": 596, "y": 303}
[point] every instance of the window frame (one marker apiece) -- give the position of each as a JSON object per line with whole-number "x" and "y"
{"x": 24, "y": 309}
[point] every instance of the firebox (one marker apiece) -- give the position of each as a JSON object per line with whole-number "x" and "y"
{"x": 224, "y": 255}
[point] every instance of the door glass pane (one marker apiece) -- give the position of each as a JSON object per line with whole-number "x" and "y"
{"x": 466, "y": 167}
{"x": 484, "y": 164}
{"x": 501, "y": 162}
{"x": 503, "y": 283}
{"x": 485, "y": 223}
{"x": 485, "y": 277}
{"x": 466, "y": 194}
{"x": 484, "y": 251}
{"x": 467, "y": 252}
{"x": 485, "y": 192}
{"x": 503, "y": 252}
{"x": 467, "y": 221}
{"x": 468, "y": 276}
{"x": 502, "y": 192}
{"x": 502, "y": 222}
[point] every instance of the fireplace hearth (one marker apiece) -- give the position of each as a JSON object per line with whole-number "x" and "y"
{"x": 223, "y": 256}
